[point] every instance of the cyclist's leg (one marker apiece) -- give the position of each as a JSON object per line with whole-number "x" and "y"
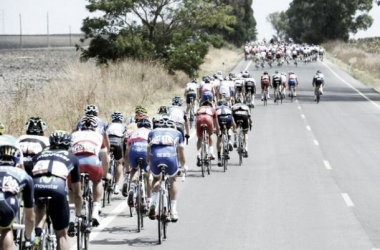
{"x": 6, "y": 239}
{"x": 8, "y": 210}
{"x": 62, "y": 240}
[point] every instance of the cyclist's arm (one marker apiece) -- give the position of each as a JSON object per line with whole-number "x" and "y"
{"x": 181, "y": 155}
{"x": 104, "y": 157}
{"x": 107, "y": 141}
{"x": 148, "y": 155}
{"x": 76, "y": 187}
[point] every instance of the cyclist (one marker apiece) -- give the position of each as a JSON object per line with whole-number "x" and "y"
{"x": 88, "y": 145}
{"x": 224, "y": 90}
{"x": 292, "y": 82}
{"x": 190, "y": 92}
{"x": 276, "y": 83}
{"x": 283, "y": 84}
{"x": 2, "y": 128}
{"x": 116, "y": 131}
{"x": 241, "y": 112}
{"x": 224, "y": 115}
{"x": 318, "y": 83}
{"x": 265, "y": 83}
{"x": 250, "y": 87}
{"x": 206, "y": 115}
{"x": 164, "y": 143}
{"x": 51, "y": 167}
{"x": 92, "y": 111}
{"x": 239, "y": 83}
{"x": 207, "y": 89}
{"x": 14, "y": 181}
{"x": 33, "y": 142}
{"x": 178, "y": 115}
{"x": 140, "y": 113}
{"x": 137, "y": 148}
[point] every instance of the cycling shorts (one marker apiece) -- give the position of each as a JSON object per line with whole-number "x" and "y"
{"x": 54, "y": 187}
{"x": 189, "y": 95}
{"x": 207, "y": 95}
{"x": 9, "y": 206}
{"x": 116, "y": 144}
{"x": 92, "y": 166}
{"x": 138, "y": 150}
{"x": 294, "y": 56}
{"x": 207, "y": 120}
{"x": 292, "y": 83}
{"x": 250, "y": 88}
{"x": 276, "y": 84}
{"x": 163, "y": 155}
{"x": 232, "y": 92}
{"x": 263, "y": 84}
{"x": 227, "y": 119}
{"x": 244, "y": 118}
{"x": 225, "y": 91}
{"x": 239, "y": 88}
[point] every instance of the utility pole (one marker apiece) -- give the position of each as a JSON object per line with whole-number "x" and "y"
{"x": 70, "y": 34}
{"x": 20, "y": 33}
{"x": 47, "y": 24}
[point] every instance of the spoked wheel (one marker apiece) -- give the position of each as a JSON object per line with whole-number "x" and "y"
{"x": 80, "y": 235}
{"x": 160, "y": 218}
{"x": 138, "y": 207}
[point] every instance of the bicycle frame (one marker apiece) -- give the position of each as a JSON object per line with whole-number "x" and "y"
{"x": 164, "y": 204}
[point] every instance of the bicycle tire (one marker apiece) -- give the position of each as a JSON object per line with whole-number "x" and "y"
{"x": 80, "y": 235}
{"x": 225, "y": 154}
{"x": 138, "y": 207}
{"x": 159, "y": 218}
{"x": 203, "y": 153}
{"x": 105, "y": 187}
{"x": 167, "y": 209}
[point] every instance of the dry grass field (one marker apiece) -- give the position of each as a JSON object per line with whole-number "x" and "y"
{"x": 53, "y": 84}
{"x": 365, "y": 65}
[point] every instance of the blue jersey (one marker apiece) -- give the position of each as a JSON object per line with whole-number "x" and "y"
{"x": 14, "y": 180}
{"x": 165, "y": 137}
{"x": 102, "y": 126}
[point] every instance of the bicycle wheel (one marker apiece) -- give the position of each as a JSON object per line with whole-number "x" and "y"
{"x": 159, "y": 218}
{"x": 225, "y": 153}
{"x": 240, "y": 150}
{"x": 203, "y": 154}
{"x": 167, "y": 208}
{"x": 318, "y": 95}
{"x": 80, "y": 234}
{"x": 105, "y": 188}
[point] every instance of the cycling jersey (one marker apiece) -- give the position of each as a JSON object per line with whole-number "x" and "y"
{"x": 207, "y": 87}
{"x": 30, "y": 146}
{"x": 12, "y": 182}
{"x": 102, "y": 127}
{"x": 163, "y": 144}
{"x": 138, "y": 143}
{"x": 241, "y": 112}
{"x": 250, "y": 85}
{"x": 276, "y": 80}
{"x": 51, "y": 168}
{"x": 156, "y": 119}
{"x": 265, "y": 81}
{"x": 292, "y": 80}
{"x": 178, "y": 115}
{"x": 318, "y": 80}
{"x": 116, "y": 133}
{"x": 283, "y": 80}
{"x": 224, "y": 115}
{"x": 116, "y": 129}
{"x": 205, "y": 116}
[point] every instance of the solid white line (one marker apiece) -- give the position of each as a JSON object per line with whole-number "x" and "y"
{"x": 352, "y": 87}
{"x": 327, "y": 165}
{"x": 303, "y": 116}
{"x": 106, "y": 221}
{"x": 316, "y": 142}
{"x": 308, "y": 128}
{"x": 248, "y": 65}
{"x": 347, "y": 199}
{"x": 296, "y": 100}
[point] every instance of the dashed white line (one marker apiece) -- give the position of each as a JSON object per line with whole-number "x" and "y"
{"x": 296, "y": 100}
{"x": 327, "y": 165}
{"x": 308, "y": 128}
{"x": 303, "y": 116}
{"x": 347, "y": 199}
{"x": 352, "y": 87}
{"x": 299, "y": 107}
{"x": 248, "y": 65}
{"x": 316, "y": 142}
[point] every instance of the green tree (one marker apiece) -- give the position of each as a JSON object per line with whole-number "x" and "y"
{"x": 278, "y": 22}
{"x": 318, "y": 21}
{"x": 160, "y": 30}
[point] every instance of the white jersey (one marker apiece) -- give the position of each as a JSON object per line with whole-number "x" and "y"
{"x": 216, "y": 83}
{"x": 225, "y": 89}
{"x": 207, "y": 88}
{"x": 116, "y": 129}
{"x": 191, "y": 87}
{"x": 250, "y": 80}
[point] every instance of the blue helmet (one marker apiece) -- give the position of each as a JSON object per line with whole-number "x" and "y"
{"x": 177, "y": 101}
{"x": 144, "y": 123}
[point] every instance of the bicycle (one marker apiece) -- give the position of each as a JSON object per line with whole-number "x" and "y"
{"x": 205, "y": 158}
{"x": 292, "y": 90}
{"x": 192, "y": 112}
{"x": 164, "y": 207}
{"x": 109, "y": 185}
{"x": 225, "y": 152}
{"x": 241, "y": 143}
{"x": 19, "y": 228}
{"x": 265, "y": 98}
{"x": 140, "y": 199}
{"x": 317, "y": 91}
{"x": 278, "y": 95}
{"x": 84, "y": 222}
{"x": 48, "y": 240}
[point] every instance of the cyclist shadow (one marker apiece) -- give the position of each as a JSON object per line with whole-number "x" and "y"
{"x": 137, "y": 242}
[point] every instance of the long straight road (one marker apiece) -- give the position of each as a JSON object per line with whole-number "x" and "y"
{"x": 311, "y": 180}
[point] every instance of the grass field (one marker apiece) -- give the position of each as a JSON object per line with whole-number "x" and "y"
{"x": 38, "y": 41}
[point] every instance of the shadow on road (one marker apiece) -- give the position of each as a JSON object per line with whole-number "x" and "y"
{"x": 137, "y": 242}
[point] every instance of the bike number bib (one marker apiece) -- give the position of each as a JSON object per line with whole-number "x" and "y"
{"x": 10, "y": 185}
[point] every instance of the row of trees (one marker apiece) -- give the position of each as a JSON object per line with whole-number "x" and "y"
{"x": 315, "y": 22}
{"x": 177, "y": 33}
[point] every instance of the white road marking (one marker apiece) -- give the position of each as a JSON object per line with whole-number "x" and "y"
{"x": 303, "y": 116}
{"x": 106, "y": 221}
{"x": 308, "y": 128}
{"x": 316, "y": 142}
{"x": 347, "y": 199}
{"x": 248, "y": 65}
{"x": 296, "y": 100}
{"x": 192, "y": 135}
{"x": 299, "y": 107}
{"x": 327, "y": 165}
{"x": 352, "y": 87}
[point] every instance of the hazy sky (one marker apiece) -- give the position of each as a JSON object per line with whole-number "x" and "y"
{"x": 65, "y": 13}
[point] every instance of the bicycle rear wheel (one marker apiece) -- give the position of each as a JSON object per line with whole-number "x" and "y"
{"x": 159, "y": 218}
{"x": 318, "y": 95}
{"x": 139, "y": 205}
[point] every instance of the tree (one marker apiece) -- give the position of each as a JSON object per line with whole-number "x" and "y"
{"x": 160, "y": 30}
{"x": 318, "y": 21}
{"x": 278, "y": 22}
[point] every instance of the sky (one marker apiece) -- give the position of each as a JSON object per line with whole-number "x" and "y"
{"x": 66, "y": 13}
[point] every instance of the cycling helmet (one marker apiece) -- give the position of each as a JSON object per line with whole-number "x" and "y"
{"x": 291, "y": 72}
{"x": 207, "y": 80}
{"x": 2, "y": 128}
{"x": 246, "y": 72}
{"x": 144, "y": 123}
{"x": 265, "y": 72}
{"x": 9, "y": 155}
{"x": 89, "y": 123}
{"x": 318, "y": 71}
{"x": 276, "y": 72}
{"x": 35, "y": 126}
{"x": 283, "y": 73}
{"x": 163, "y": 110}
{"x": 219, "y": 73}
{"x": 222, "y": 102}
{"x": 166, "y": 122}
{"x": 140, "y": 109}
{"x": 117, "y": 117}
{"x": 177, "y": 101}
{"x": 91, "y": 110}
{"x": 194, "y": 81}
{"x": 60, "y": 139}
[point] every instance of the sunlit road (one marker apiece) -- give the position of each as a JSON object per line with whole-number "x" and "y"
{"x": 312, "y": 179}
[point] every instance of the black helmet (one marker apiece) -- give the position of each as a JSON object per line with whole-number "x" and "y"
{"x": 35, "y": 126}
{"x": 89, "y": 123}
{"x": 177, "y": 101}
{"x": 9, "y": 155}
{"x": 144, "y": 123}
{"x": 163, "y": 110}
{"x": 60, "y": 140}
{"x": 222, "y": 102}
{"x": 166, "y": 122}
{"x": 318, "y": 71}
{"x": 91, "y": 110}
{"x": 117, "y": 117}
{"x": 265, "y": 72}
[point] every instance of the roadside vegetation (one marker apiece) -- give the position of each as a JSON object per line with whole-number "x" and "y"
{"x": 358, "y": 57}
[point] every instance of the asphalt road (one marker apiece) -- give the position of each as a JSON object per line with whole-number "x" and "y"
{"x": 312, "y": 179}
